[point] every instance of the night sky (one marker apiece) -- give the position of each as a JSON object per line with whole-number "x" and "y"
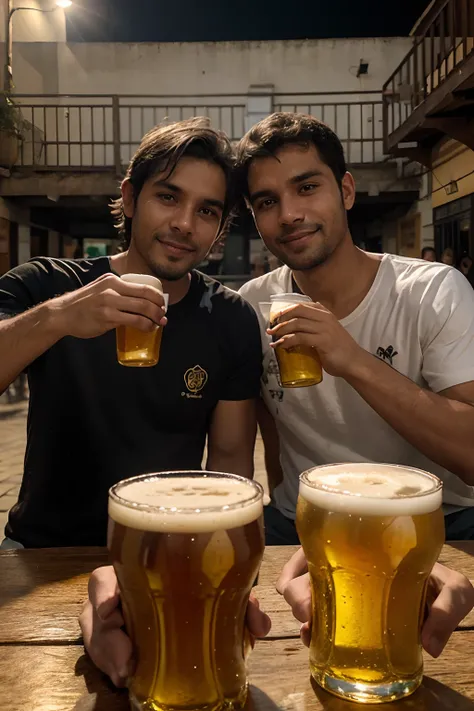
{"x": 212, "y": 20}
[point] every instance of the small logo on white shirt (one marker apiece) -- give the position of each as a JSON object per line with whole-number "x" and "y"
{"x": 387, "y": 354}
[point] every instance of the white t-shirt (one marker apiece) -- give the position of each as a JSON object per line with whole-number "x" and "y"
{"x": 419, "y": 317}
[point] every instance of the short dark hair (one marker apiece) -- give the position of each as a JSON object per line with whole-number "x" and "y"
{"x": 425, "y": 251}
{"x": 160, "y": 151}
{"x": 283, "y": 128}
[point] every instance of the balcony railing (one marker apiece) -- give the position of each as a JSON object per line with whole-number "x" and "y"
{"x": 443, "y": 44}
{"x": 86, "y": 132}
{"x": 358, "y": 123}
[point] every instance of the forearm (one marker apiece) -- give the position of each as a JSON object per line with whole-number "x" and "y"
{"x": 438, "y": 427}
{"x": 271, "y": 443}
{"x": 24, "y": 338}
{"x": 230, "y": 463}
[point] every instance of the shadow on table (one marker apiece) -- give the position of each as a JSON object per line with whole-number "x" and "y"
{"x": 102, "y": 694}
{"x": 431, "y": 696}
{"x": 258, "y": 700}
{"x": 25, "y": 571}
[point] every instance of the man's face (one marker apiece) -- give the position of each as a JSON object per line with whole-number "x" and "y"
{"x": 298, "y": 206}
{"x": 176, "y": 219}
{"x": 429, "y": 256}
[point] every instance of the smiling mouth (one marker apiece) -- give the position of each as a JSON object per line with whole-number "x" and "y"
{"x": 175, "y": 247}
{"x": 297, "y": 236}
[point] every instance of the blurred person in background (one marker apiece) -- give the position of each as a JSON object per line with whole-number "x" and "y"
{"x": 447, "y": 257}
{"x": 428, "y": 254}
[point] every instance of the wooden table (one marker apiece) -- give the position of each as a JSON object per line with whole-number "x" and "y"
{"x": 43, "y": 666}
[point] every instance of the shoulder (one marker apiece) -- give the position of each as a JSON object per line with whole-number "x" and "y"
{"x": 219, "y": 300}
{"x": 261, "y": 288}
{"x": 421, "y": 281}
{"x": 52, "y": 267}
{"x": 437, "y": 295}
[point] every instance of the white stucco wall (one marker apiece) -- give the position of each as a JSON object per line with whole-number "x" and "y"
{"x": 211, "y": 67}
{"x": 146, "y": 74}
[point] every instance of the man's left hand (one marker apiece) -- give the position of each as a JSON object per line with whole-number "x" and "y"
{"x": 450, "y": 599}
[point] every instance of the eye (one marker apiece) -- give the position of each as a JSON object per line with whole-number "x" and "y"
{"x": 308, "y": 187}
{"x": 166, "y": 197}
{"x": 265, "y": 204}
{"x": 208, "y": 212}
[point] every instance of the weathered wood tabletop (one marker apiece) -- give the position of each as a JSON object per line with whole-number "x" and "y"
{"x": 43, "y": 666}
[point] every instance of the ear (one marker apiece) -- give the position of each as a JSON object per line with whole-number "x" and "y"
{"x": 348, "y": 191}
{"x": 128, "y": 198}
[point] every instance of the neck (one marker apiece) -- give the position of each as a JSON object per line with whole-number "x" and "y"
{"x": 343, "y": 281}
{"x": 131, "y": 263}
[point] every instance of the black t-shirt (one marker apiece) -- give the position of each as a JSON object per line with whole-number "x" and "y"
{"x": 93, "y": 422}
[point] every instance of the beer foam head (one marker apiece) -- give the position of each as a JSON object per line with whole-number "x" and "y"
{"x": 144, "y": 279}
{"x": 372, "y": 489}
{"x": 280, "y": 302}
{"x": 185, "y": 503}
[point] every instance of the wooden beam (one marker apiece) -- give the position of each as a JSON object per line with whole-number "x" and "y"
{"x": 461, "y": 78}
{"x": 419, "y": 154}
{"x": 459, "y": 128}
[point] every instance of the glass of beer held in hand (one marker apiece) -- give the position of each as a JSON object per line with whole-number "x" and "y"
{"x": 186, "y": 547}
{"x": 135, "y": 348}
{"x": 299, "y": 366}
{"x": 371, "y": 534}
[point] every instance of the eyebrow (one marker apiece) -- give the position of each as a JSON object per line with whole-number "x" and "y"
{"x": 173, "y": 188}
{"x": 293, "y": 181}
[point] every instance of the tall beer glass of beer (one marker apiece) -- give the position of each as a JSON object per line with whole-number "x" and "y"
{"x": 186, "y": 547}
{"x": 135, "y": 348}
{"x": 299, "y": 366}
{"x": 371, "y": 534}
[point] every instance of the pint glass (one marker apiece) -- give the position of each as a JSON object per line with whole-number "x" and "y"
{"x": 299, "y": 366}
{"x": 371, "y": 534}
{"x": 186, "y": 547}
{"x": 136, "y": 348}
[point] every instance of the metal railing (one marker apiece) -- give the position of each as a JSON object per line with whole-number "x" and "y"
{"x": 90, "y": 132}
{"x": 443, "y": 45}
{"x": 358, "y": 121}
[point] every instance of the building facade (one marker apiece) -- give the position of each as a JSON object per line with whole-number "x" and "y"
{"x": 429, "y": 119}
{"x": 85, "y": 108}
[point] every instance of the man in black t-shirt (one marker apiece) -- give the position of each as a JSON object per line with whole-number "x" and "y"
{"x": 91, "y": 421}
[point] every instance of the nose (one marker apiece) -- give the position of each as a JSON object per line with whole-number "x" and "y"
{"x": 291, "y": 211}
{"x": 182, "y": 220}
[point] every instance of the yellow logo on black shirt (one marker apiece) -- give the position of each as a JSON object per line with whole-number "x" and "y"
{"x": 195, "y": 380}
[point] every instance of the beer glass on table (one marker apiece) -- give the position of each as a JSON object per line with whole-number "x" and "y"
{"x": 186, "y": 547}
{"x": 135, "y": 348}
{"x": 371, "y": 534}
{"x": 299, "y": 366}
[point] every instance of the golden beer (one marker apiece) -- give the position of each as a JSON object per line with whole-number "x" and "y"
{"x": 299, "y": 366}
{"x": 136, "y": 348}
{"x": 186, "y": 548}
{"x": 371, "y": 534}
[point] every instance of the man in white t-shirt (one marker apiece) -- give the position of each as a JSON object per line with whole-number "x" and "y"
{"x": 395, "y": 335}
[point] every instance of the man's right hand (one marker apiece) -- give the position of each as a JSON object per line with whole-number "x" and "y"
{"x": 106, "y": 642}
{"x": 101, "y": 623}
{"x": 106, "y": 303}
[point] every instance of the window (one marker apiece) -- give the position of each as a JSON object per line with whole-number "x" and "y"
{"x": 454, "y": 227}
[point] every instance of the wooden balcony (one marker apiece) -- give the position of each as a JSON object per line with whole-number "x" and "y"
{"x": 430, "y": 95}
{"x": 101, "y": 133}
